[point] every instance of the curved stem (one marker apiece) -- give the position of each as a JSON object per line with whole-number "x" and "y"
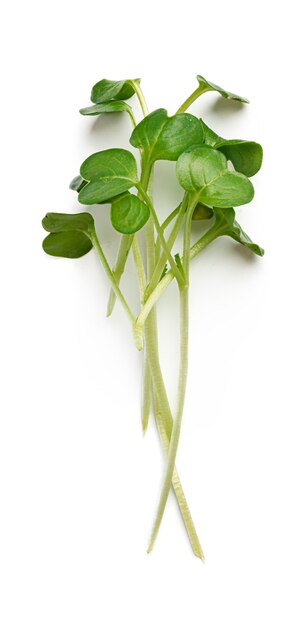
{"x": 110, "y": 275}
{"x": 140, "y": 96}
{"x": 178, "y": 415}
{"x": 195, "y": 94}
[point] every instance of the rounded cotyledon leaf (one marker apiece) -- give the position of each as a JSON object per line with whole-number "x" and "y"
{"x": 57, "y": 222}
{"x": 164, "y": 138}
{"x": 70, "y": 235}
{"x": 203, "y": 171}
{"x": 128, "y": 213}
{"x": 106, "y": 107}
{"x": 206, "y": 85}
{"x": 108, "y": 173}
{"x": 106, "y": 90}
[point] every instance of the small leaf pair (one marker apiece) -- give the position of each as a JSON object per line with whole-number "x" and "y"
{"x": 70, "y": 235}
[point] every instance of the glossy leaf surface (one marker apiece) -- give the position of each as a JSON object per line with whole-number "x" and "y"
{"x": 226, "y": 217}
{"x": 165, "y": 138}
{"x": 203, "y": 171}
{"x": 206, "y": 85}
{"x": 109, "y": 173}
{"x": 106, "y": 90}
{"x": 113, "y": 106}
{"x": 57, "y": 222}
{"x": 128, "y": 214}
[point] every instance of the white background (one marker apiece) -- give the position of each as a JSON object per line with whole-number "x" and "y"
{"x": 79, "y": 484}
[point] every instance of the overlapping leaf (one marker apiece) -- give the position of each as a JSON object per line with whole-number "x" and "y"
{"x": 113, "y": 106}
{"x": 108, "y": 173}
{"x": 106, "y": 90}
{"x": 164, "y": 138}
{"x": 203, "y": 171}
{"x": 70, "y": 235}
{"x": 246, "y": 156}
{"x": 128, "y": 213}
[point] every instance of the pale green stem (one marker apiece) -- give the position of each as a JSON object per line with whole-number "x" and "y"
{"x": 195, "y": 94}
{"x": 140, "y": 96}
{"x": 170, "y": 242}
{"x": 110, "y": 276}
{"x": 182, "y": 381}
{"x": 204, "y": 241}
{"x": 123, "y": 251}
{"x": 160, "y": 234}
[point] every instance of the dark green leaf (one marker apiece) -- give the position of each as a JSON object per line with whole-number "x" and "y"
{"x": 106, "y": 107}
{"x": 70, "y": 244}
{"x": 57, "y": 222}
{"x": 128, "y": 214}
{"x": 163, "y": 137}
{"x": 246, "y": 156}
{"x": 77, "y": 183}
{"x": 106, "y": 90}
{"x": 205, "y": 85}
{"x": 203, "y": 171}
{"x": 110, "y": 173}
{"x": 202, "y": 212}
{"x": 226, "y": 218}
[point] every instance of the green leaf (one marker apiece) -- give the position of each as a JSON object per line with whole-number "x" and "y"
{"x": 246, "y": 156}
{"x": 106, "y": 90}
{"x": 128, "y": 214}
{"x": 163, "y": 137}
{"x": 226, "y": 217}
{"x": 202, "y": 212}
{"x": 70, "y": 244}
{"x": 205, "y": 85}
{"x": 57, "y": 222}
{"x": 203, "y": 171}
{"x": 77, "y": 183}
{"x": 106, "y": 107}
{"x": 109, "y": 173}
{"x": 70, "y": 234}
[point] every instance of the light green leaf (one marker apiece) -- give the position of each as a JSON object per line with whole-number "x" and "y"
{"x": 128, "y": 214}
{"x": 205, "y": 85}
{"x": 106, "y": 90}
{"x": 109, "y": 173}
{"x": 165, "y": 138}
{"x": 106, "y": 107}
{"x": 226, "y": 218}
{"x": 203, "y": 171}
{"x": 70, "y": 234}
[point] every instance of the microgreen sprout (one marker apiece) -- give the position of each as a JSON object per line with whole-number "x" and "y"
{"x": 211, "y": 190}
